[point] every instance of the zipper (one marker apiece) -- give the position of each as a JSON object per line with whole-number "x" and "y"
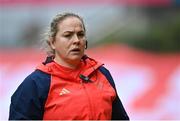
{"x": 90, "y": 105}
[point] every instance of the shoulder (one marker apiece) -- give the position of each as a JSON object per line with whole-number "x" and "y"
{"x": 38, "y": 74}
{"x": 37, "y": 77}
{"x": 37, "y": 82}
{"x": 28, "y": 100}
{"x": 104, "y": 70}
{"x": 107, "y": 74}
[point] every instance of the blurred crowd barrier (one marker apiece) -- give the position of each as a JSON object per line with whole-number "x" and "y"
{"x": 147, "y": 83}
{"x": 136, "y": 22}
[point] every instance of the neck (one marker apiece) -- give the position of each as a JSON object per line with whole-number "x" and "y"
{"x": 68, "y": 64}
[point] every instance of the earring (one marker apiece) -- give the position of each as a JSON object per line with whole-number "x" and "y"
{"x": 86, "y": 46}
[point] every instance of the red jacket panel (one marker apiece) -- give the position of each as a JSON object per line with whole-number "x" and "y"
{"x": 71, "y": 98}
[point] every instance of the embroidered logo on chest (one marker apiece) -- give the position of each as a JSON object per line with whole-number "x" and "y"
{"x": 64, "y": 91}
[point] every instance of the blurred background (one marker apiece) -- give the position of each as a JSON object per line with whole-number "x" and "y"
{"x": 138, "y": 40}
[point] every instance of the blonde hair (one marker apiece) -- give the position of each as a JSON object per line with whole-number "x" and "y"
{"x": 53, "y": 29}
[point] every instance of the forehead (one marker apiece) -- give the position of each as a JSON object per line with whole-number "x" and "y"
{"x": 70, "y": 24}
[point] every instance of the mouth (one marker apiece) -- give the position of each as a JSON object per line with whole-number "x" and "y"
{"x": 76, "y": 50}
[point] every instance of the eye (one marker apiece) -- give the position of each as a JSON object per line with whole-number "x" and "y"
{"x": 67, "y": 35}
{"x": 81, "y": 34}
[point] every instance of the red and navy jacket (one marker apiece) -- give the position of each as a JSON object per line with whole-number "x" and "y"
{"x": 56, "y": 92}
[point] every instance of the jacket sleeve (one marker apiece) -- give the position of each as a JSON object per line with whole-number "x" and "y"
{"x": 118, "y": 111}
{"x": 27, "y": 103}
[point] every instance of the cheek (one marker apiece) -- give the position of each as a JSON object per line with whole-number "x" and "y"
{"x": 83, "y": 43}
{"x": 61, "y": 43}
{"x": 59, "y": 46}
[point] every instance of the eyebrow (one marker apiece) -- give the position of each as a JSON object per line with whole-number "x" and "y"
{"x": 68, "y": 32}
{"x": 73, "y": 31}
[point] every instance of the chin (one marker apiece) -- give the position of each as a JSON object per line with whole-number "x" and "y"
{"x": 75, "y": 58}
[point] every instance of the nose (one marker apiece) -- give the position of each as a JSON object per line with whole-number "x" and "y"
{"x": 76, "y": 39}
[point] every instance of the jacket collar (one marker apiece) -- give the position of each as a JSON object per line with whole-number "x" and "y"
{"x": 87, "y": 67}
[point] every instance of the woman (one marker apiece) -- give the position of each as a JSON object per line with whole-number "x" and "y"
{"x": 68, "y": 85}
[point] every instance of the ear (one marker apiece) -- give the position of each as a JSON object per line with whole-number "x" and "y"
{"x": 51, "y": 41}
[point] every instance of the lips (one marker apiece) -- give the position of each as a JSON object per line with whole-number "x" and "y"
{"x": 76, "y": 50}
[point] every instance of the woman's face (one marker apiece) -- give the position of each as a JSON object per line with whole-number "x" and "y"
{"x": 70, "y": 40}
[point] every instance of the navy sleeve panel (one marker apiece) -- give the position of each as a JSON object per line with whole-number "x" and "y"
{"x": 27, "y": 103}
{"x": 118, "y": 111}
